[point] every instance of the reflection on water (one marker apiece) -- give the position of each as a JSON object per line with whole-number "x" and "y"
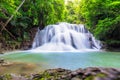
{"x": 26, "y": 62}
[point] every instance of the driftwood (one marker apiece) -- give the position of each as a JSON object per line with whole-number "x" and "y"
{"x": 5, "y": 24}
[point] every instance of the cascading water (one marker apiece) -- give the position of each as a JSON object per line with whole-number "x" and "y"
{"x": 65, "y": 37}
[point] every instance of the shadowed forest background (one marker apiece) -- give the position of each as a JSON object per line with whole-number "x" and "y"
{"x": 101, "y": 17}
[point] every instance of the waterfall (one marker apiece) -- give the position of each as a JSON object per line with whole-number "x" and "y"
{"x": 65, "y": 37}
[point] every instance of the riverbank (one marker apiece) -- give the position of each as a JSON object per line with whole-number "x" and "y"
{"x": 90, "y": 73}
{"x": 14, "y": 46}
{"x": 7, "y": 45}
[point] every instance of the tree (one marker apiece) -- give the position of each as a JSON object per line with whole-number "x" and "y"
{"x": 33, "y": 13}
{"x": 103, "y": 18}
{"x": 72, "y": 10}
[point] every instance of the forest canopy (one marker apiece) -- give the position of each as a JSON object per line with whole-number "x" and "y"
{"x": 101, "y": 17}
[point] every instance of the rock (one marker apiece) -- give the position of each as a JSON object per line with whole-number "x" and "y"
{"x": 53, "y": 74}
{"x": 0, "y": 45}
{"x": 80, "y": 71}
{"x": 76, "y": 78}
{"x": 74, "y": 73}
{"x": 92, "y": 69}
{"x": 36, "y": 76}
{"x": 111, "y": 72}
{"x": 99, "y": 78}
{"x": 1, "y": 53}
{"x": 1, "y": 77}
{"x": 91, "y": 73}
{"x": 1, "y": 61}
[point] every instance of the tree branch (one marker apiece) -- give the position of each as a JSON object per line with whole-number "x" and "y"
{"x": 5, "y": 24}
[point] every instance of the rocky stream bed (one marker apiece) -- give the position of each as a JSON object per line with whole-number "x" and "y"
{"x": 90, "y": 73}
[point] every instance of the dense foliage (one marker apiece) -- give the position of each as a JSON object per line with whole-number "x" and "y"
{"x": 102, "y": 17}
{"x": 33, "y": 13}
{"x": 72, "y": 10}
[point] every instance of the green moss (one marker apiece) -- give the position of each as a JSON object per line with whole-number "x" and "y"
{"x": 101, "y": 75}
{"x": 89, "y": 78}
{"x": 7, "y": 77}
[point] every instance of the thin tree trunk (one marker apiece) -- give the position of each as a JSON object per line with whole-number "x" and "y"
{"x": 5, "y": 24}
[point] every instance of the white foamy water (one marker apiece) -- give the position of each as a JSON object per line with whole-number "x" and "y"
{"x": 65, "y": 37}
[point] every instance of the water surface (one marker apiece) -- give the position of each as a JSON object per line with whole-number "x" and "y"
{"x": 67, "y": 60}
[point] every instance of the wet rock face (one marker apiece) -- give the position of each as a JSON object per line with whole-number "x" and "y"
{"x": 53, "y": 74}
{"x": 80, "y": 74}
{"x": 91, "y": 73}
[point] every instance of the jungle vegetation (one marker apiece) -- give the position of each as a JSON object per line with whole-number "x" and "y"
{"x": 101, "y": 17}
